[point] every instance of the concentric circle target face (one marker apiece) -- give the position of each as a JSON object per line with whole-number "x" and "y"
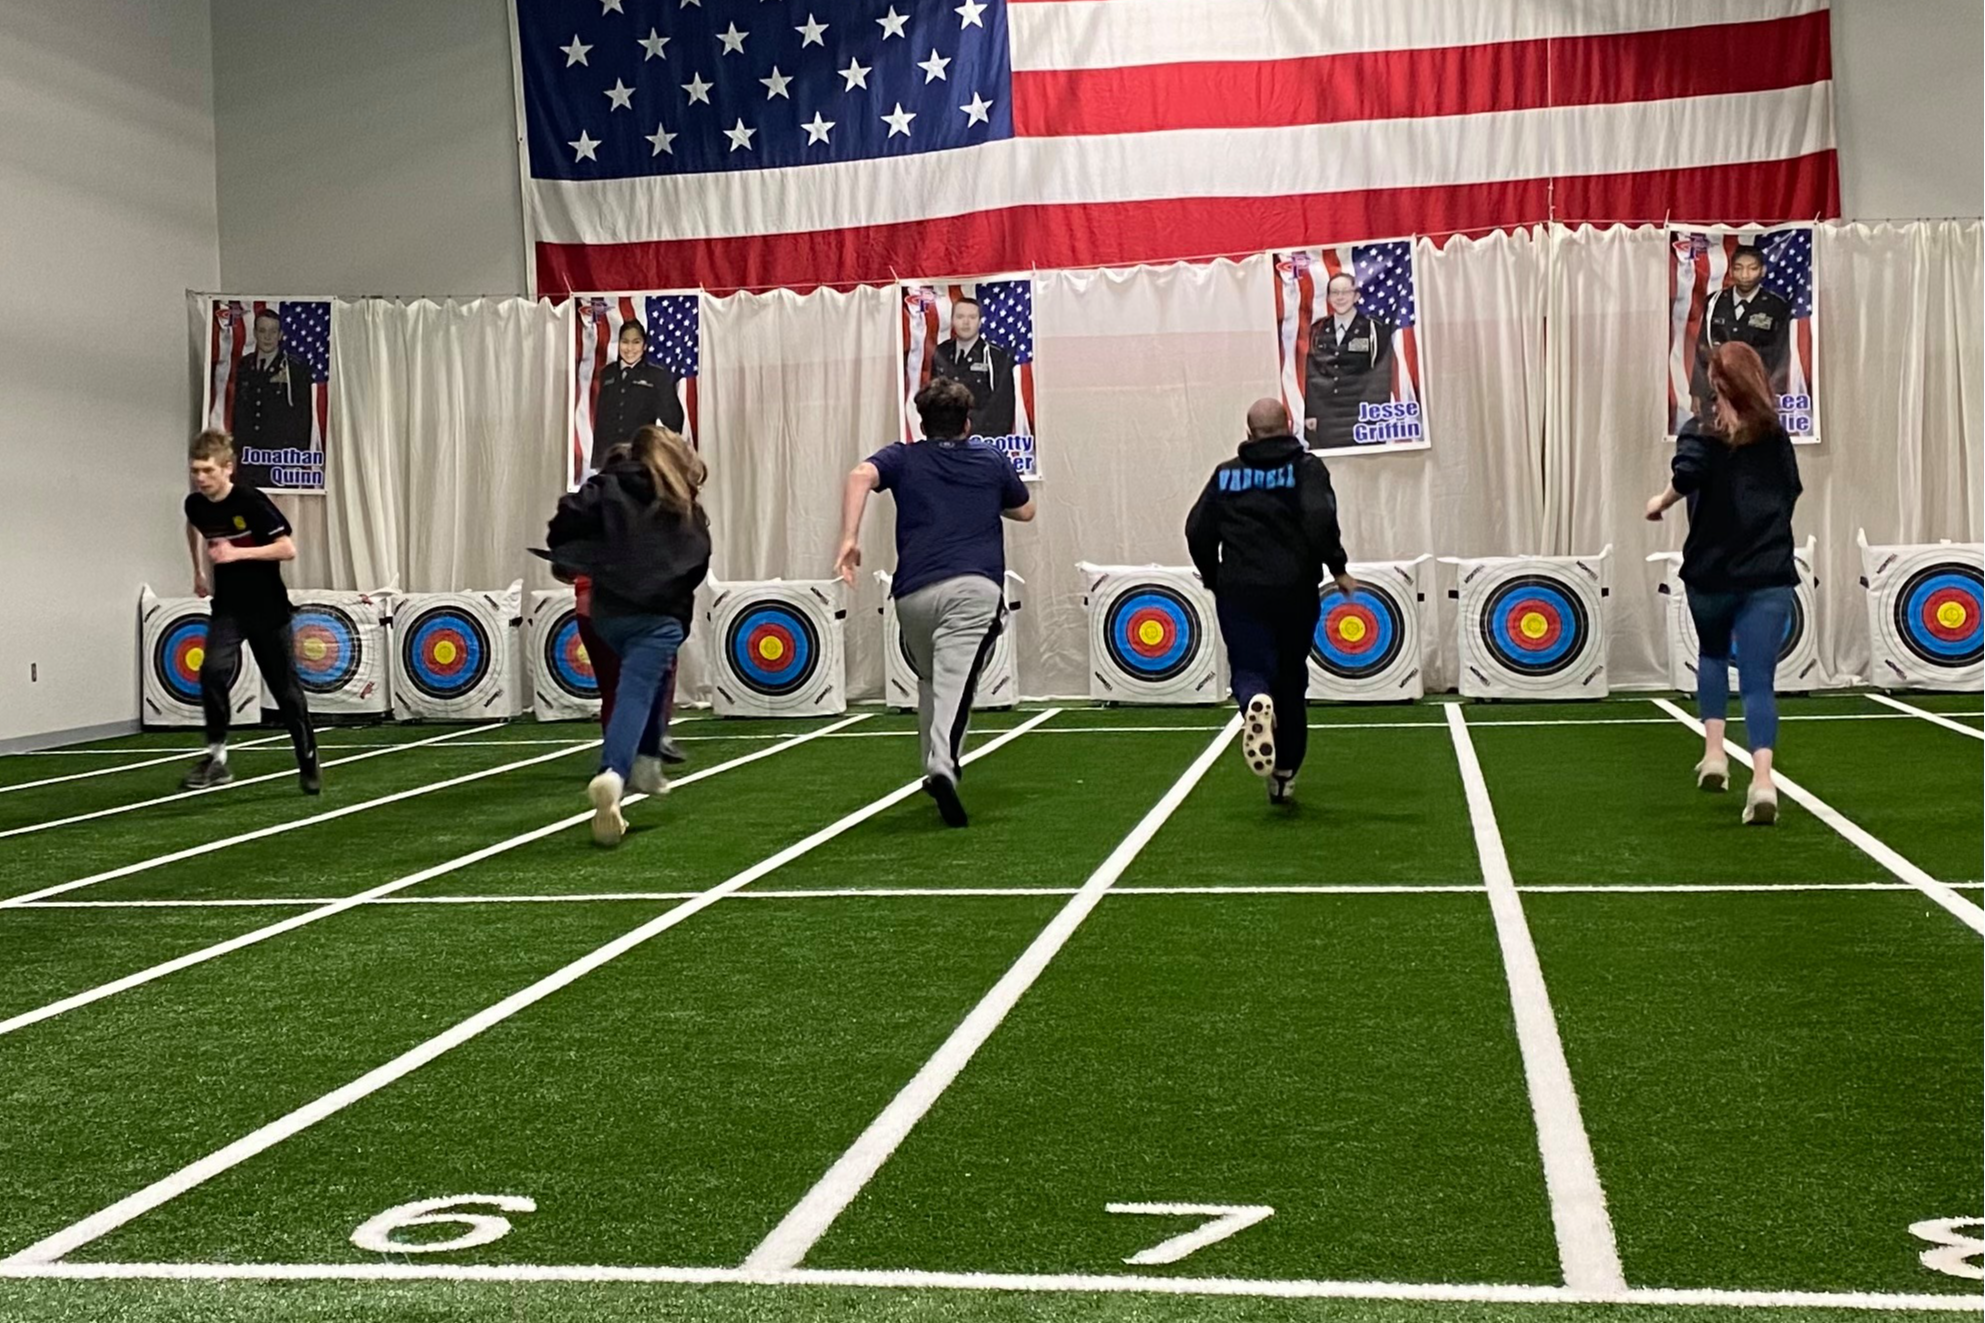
{"x": 1154, "y": 632}
{"x": 1937, "y": 614}
{"x": 328, "y": 649}
{"x": 773, "y": 648}
{"x": 565, "y": 658}
{"x": 446, "y": 652}
{"x": 181, "y": 647}
{"x": 1535, "y": 625}
{"x": 1360, "y": 635}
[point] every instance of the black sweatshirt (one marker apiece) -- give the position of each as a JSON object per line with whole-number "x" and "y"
{"x": 1267, "y": 519}
{"x": 642, "y": 558}
{"x": 1740, "y": 510}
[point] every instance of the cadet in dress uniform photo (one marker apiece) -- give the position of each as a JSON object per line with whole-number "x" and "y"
{"x": 984, "y": 368}
{"x": 1350, "y": 363}
{"x": 634, "y": 392}
{"x": 1745, "y": 313}
{"x": 272, "y": 397}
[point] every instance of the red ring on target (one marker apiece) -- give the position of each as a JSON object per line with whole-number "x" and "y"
{"x": 781, "y": 652}
{"x": 1950, "y": 614}
{"x": 1151, "y": 632}
{"x": 1352, "y": 626}
{"x": 1533, "y": 610}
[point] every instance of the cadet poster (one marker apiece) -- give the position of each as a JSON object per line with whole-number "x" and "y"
{"x": 267, "y": 382}
{"x": 1350, "y": 356}
{"x": 982, "y": 334}
{"x": 1750, "y": 285}
{"x": 635, "y": 359}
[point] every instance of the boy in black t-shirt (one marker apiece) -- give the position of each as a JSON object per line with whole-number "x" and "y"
{"x": 246, "y": 538}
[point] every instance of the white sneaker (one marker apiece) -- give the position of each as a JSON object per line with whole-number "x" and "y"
{"x": 604, "y": 791}
{"x": 1760, "y": 807}
{"x": 646, "y": 776}
{"x": 1713, "y": 776}
{"x": 1258, "y": 735}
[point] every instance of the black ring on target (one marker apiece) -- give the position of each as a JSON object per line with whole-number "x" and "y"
{"x": 1937, "y": 614}
{"x": 1535, "y": 625}
{"x": 176, "y": 657}
{"x": 327, "y": 647}
{"x": 1360, "y": 635}
{"x": 565, "y": 659}
{"x": 446, "y": 651}
{"x": 773, "y": 647}
{"x": 1152, "y": 632}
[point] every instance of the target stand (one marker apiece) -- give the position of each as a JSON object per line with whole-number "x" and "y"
{"x": 172, "y": 635}
{"x": 563, "y": 686}
{"x": 999, "y": 682}
{"x": 1533, "y": 626}
{"x": 339, "y": 644}
{"x": 779, "y": 650}
{"x": 1153, "y": 635}
{"x": 454, "y": 655}
{"x": 1798, "y": 654}
{"x": 1924, "y": 614}
{"x": 1367, "y": 645}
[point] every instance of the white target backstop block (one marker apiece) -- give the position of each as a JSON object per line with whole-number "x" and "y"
{"x": 340, "y": 642}
{"x": 999, "y": 679}
{"x": 1367, "y": 647}
{"x": 1153, "y": 635}
{"x": 1533, "y": 626}
{"x": 563, "y": 686}
{"x": 778, "y": 648}
{"x": 1798, "y": 655}
{"x": 1924, "y": 613}
{"x": 172, "y": 633}
{"x": 455, "y": 655}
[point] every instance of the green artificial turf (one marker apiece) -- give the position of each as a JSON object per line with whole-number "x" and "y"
{"x": 55, "y": 953}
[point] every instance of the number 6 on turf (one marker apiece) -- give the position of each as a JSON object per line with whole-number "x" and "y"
{"x": 1227, "y": 1220}
{"x": 376, "y": 1234}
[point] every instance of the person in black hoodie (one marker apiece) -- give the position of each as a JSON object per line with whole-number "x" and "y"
{"x": 636, "y": 531}
{"x": 1738, "y": 474}
{"x": 1261, "y": 535}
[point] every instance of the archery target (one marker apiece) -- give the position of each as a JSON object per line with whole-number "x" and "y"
{"x": 338, "y": 645}
{"x": 563, "y": 686}
{"x": 453, "y": 655}
{"x": 1533, "y": 627}
{"x": 779, "y": 648}
{"x": 1151, "y": 636}
{"x": 173, "y": 644}
{"x": 1798, "y": 667}
{"x": 999, "y": 683}
{"x": 1367, "y": 646}
{"x": 1926, "y": 604}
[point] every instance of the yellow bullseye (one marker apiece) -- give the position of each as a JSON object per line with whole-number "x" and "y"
{"x": 1150, "y": 633}
{"x": 1533, "y": 625}
{"x": 1951, "y": 615}
{"x": 444, "y": 652}
{"x": 771, "y": 649}
{"x": 194, "y": 656}
{"x": 1352, "y": 630}
{"x": 314, "y": 650}
{"x": 581, "y": 656}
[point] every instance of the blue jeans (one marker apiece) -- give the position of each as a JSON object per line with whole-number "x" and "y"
{"x": 646, "y": 646}
{"x": 1754, "y": 624}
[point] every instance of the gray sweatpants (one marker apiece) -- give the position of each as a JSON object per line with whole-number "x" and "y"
{"x": 948, "y": 630}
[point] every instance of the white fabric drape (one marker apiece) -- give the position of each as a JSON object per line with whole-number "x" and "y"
{"x": 1545, "y": 357}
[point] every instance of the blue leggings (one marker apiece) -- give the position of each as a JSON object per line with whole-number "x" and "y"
{"x": 1753, "y": 625}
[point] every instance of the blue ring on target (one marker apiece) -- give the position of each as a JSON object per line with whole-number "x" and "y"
{"x": 1535, "y": 625}
{"x": 1154, "y": 632}
{"x": 773, "y": 647}
{"x": 327, "y": 648}
{"x": 1360, "y": 635}
{"x": 176, "y": 658}
{"x": 445, "y": 651}
{"x": 565, "y": 658}
{"x": 1938, "y": 614}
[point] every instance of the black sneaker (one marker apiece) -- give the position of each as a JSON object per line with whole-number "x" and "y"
{"x": 208, "y": 773}
{"x": 309, "y": 778}
{"x": 672, "y": 754}
{"x": 1282, "y": 788}
{"x": 945, "y": 791}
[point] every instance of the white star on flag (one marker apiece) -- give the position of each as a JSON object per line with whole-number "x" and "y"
{"x": 610, "y": 7}
{"x": 900, "y": 121}
{"x": 687, "y": 3}
{"x": 933, "y": 67}
{"x": 892, "y": 23}
{"x": 857, "y": 74}
{"x": 739, "y": 135}
{"x": 977, "y": 111}
{"x": 733, "y": 40}
{"x": 621, "y": 96}
{"x": 817, "y": 131}
{"x": 811, "y": 34}
{"x": 776, "y": 84}
{"x": 969, "y": 12}
{"x": 576, "y": 52}
{"x": 662, "y": 139}
{"x": 583, "y": 148}
{"x": 652, "y": 43}
{"x": 698, "y": 89}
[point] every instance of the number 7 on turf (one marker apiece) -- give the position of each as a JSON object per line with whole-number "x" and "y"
{"x": 1227, "y": 1220}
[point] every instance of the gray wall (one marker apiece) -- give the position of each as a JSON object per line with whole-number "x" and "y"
{"x": 1909, "y": 107}
{"x": 106, "y": 219}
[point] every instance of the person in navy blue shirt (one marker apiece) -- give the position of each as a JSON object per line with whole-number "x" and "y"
{"x": 949, "y": 584}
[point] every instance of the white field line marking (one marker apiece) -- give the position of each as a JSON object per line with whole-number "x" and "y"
{"x": 295, "y": 824}
{"x": 1936, "y": 718}
{"x": 1587, "y": 1252}
{"x": 243, "y": 781}
{"x": 106, "y": 1220}
{"x": 1967, "y": 911}
{"x": 174, "y": 757}
{"x": 787, "y": 1245}
{"x": 325, "y": 910}
{"x": 1226, "y": 1220}
{"x": 900, "y": 1279}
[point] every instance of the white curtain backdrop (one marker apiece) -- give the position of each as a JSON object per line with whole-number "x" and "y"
{"x": 1545, "y": 357}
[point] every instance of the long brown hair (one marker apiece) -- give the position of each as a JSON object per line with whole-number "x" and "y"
{"x": 677, "y": 471}
{"x": 1737, "y": 374}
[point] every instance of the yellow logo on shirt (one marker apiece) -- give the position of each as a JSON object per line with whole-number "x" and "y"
{"x": 240, "y": 523}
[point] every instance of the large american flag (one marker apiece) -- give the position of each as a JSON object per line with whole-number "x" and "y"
{"x": 1006, "y": 311}
{"x": 673, "y": 323}
{"x": 729, "y": 143}
{"x": 1699, "y": 267}
{"x": 1384, "y": 272}
{"x": 306, "y": 333}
